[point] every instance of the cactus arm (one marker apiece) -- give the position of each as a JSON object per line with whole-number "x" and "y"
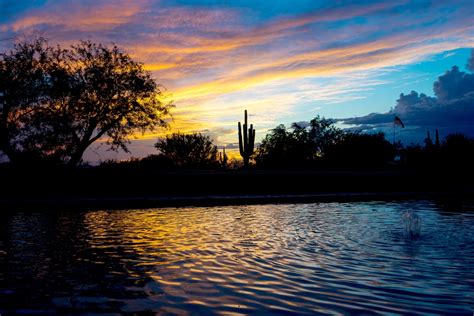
{"x": 241, "y": 147}
{"x": 251, "y": 139}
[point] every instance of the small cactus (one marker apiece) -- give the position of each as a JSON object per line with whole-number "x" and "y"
{"x": 437, "y": 139}
{"x": 223, "y": 158}
{"x": 246, "y": 141}
{"x": 428, "y": 141}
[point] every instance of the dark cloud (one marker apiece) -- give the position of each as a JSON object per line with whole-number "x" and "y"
{"x": 470, "y": 61}
{"x": 232, "y": 146}
{"x": 452, "y": 110}
{"x": 454, "y": 84}
{"x": 414, "y": 101}
{"x": 302, "y": 124}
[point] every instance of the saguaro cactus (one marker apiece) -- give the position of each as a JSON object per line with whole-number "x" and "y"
{"x": 223, "y": 158}
{"x": 246, "y": 141}
{"x": 437, "y": 139}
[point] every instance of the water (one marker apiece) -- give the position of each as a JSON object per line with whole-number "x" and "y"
{"x": 333, "y": 258}
{"x": 412, "y": 224}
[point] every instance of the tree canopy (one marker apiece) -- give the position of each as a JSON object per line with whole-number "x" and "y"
{"x": 320, "y": 142}
{"x": 188, "y": 150}
{"x": 298, "y": 147}
{"x": 357, "y": 149}
{"x": 56, "y": 102}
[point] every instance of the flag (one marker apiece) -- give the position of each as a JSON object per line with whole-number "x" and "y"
{"x": 398, "y": 121}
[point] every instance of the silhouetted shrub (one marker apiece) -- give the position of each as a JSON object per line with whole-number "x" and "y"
{"x": 457, "y": 152}
{"x": 360, "y": 150}
{"x": 187, "y": 151}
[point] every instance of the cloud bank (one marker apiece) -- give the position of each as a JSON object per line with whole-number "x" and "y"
{"x": 451, "y": 111}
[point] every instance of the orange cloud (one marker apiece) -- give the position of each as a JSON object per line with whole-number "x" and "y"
{"x": 81, "y": 17}
{"x": 387, "y": 52}
{"x": 216, "y": 62}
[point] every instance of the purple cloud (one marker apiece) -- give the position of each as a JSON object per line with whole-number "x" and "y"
{"x": 452, "y": 110}
{"x": 470, "y": 62}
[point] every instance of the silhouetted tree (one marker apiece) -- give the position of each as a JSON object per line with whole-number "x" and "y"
{"x": 23, "y": 91}
{"x": 455, "y": 153}
{"x": 283, "y": 148}
{"x": 188, "y": 150}
{"x": 74, "y": 97}
{"x": 323, "y": 133}
{"x": 298, "y": 147}
{"x": 360, "y": 150}
{"x": 458, "y": 152}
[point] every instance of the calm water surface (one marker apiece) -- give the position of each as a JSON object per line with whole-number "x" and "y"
{"x": 282, "y": 259}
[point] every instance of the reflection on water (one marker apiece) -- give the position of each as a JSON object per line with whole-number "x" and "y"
{"x": 304, "y": 259}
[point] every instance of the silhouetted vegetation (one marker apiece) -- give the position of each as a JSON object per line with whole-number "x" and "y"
{"x": 246, "y": 141}
{"x": 187, "y": 151}
{"x": 285, "y": 148}
{"x": 56, "y": 102}
{"x": 361, "y": 150}
{"x": 321, "y": 144}
{"x": 455, "y": 153}
{"x": 223, "y": 159}
{"x": 300, "y": 146}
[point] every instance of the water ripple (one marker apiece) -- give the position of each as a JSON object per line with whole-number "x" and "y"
{"x": 333, "y": 258}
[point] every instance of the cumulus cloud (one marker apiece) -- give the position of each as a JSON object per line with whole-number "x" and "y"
{"x": 453, "y": 84}
{"x": 232, "y": 146}
{"x": 470, "y": 61}
{"x": 452, "y": 110}
{"x": 216, "y": 134}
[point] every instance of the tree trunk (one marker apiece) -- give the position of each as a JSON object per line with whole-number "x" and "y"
{"x": 5, "y": 146}
{"x": 76, "y": 157}
{"x": 85, "y": 142}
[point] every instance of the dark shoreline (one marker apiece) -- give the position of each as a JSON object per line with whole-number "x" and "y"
{"x": 142, "y": 202}
{"x": 136, "y": 188}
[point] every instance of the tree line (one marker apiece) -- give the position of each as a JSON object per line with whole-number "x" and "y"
{"x": 55, "y": 102}
{"x": 319, "y": 145}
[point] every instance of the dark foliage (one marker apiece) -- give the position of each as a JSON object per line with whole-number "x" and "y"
{"x": 300, "y": 146}
{"x": 187, "y": 151}
{"x": 56, "y": 102}
{"x": 285, "y": 148}
{"x": 455, "y": 153}
{"x": 361, "y": 150}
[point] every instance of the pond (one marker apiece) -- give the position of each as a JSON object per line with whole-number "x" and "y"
{"x": 328, "y": 258}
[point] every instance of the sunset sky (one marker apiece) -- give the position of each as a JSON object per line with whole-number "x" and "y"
{"x": 283, "y": 61}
